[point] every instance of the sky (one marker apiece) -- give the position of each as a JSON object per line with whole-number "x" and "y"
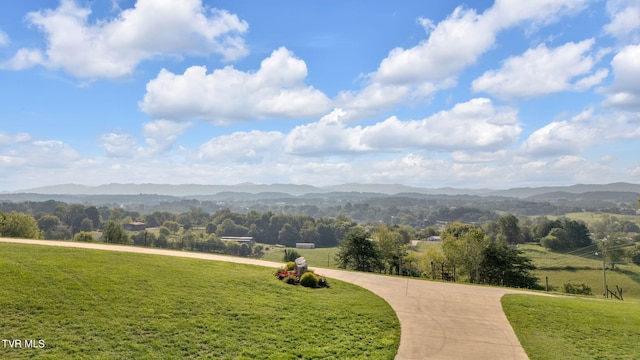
{"x": 476, "y": 94}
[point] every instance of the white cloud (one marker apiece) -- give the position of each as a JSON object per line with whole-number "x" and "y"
{"x": 14, "y": 139}
{"x": 583, "y": 131}
{"x": 277, "y": 89}
{"x": 113, "y": 47}
{"x": 625, "y": 91}
{"x": 541, "y": 71}
{"x": 416, "y": 73}
{"x": 119, "y": 145}
{"x": 161, "y": 135}
{"x": 4, "y": 38}
{"x": 23, "y": 59}
{"x": 327, "y": 136}
{"x": 474, "y": 125}
{"x": 242, "y": 147}
{"x": 625, "y": 19}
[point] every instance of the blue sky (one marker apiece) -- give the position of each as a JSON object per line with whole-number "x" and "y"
{"x": 476, "y": 94}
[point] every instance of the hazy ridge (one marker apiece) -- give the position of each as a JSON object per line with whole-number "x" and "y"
{"x": 289, "y": 190}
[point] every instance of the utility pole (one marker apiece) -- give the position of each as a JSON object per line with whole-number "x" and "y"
{"x": 604, "y": 272}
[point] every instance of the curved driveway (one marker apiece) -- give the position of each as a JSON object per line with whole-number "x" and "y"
{"x": 438, "y": 320}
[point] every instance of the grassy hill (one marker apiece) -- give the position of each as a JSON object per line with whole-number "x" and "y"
{"x": 570, "y": 268}
{"x": 109, "y": 305}
{"x": 574, "y": 328}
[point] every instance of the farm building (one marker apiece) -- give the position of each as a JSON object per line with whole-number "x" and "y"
{"x": 302, "y": 245}
{"x": 135, "y": 226}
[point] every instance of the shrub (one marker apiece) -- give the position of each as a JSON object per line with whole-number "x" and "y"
{"x": 290, "y": 266}
{"x": 84, "y": 236}
{"x": 290, "y": 255}
{"x": 309, "y": 279}
{"x": 291, "y": 279}
{"x": 577, "y": 288}
{"x": 322, "y": 282}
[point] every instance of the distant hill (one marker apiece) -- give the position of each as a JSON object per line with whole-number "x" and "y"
{"x": 573, "y": 189}
{"x": 272, "y": 191}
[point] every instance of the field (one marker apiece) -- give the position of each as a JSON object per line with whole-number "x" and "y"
{"x": 321, "y": 257}
{"x": 589, "y": 217}
{"x": 109, "y": 305}
{"x": 567, "y": 268}
{"x": 552, "y": 328}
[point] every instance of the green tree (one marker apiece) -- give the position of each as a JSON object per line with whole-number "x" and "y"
{"x": 614, "y": 249}
{"x": 173, "y": 226}
{"x": 19, "y": 225}
{"x": 290, "y": 255}
{"x": 463, "y": 245}
{"x": 86, "y": 225}
{"x": 390, "y": 249}
{"x": 556, "y": 240}
{"x": 288, "y": 236}
{"x": 48, "y": 223}
{"x": 114, "y": 233}
{"x": 83, "y": 236}
{"x": 357, "y": 252}
{"x": 509, "y": 230}
{"x": 502, "y": 265}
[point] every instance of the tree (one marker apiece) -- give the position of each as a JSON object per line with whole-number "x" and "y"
{"x": 114, "y": 233}
{"x": 86, "y": 225}
{"x": 557, "y": 239}
{"x": 502, "y": 265}
{"x": 19, "y": 225}
{"x": 48, "y": 222}
{"x": 390, "y": 249}
{"x": 357, "y": 252}
{"x": 613, "y": 248}
{"x": 463, "y": 246}
{"x": 509, "y": 230}
{"x": 309, "y": 233}
{"x": 288, "y": 236}
{"x": 173, "y": 226}
{"x": 83, "y": 236}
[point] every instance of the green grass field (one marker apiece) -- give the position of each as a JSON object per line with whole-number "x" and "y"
{"x": 321, "y": 257}
{"x": 561, "y": 328}
{"x": 567, "y": 268}
{"x": 111, "y": 305}
{"x": 589, "y": 217}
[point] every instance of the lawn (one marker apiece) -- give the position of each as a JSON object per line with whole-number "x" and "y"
{"x": 554, "y": 328}
{"x": 320, "y": 257}
{"x": 110, "y": 305}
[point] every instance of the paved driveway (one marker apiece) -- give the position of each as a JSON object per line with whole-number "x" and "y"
{"x": 438, "y": 320}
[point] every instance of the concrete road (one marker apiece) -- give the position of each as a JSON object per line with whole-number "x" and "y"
{"x": 438, "y": 320}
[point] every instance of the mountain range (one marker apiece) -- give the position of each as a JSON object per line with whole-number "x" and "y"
{"x": 185, "y": 190}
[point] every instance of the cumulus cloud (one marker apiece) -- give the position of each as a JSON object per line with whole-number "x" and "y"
{"x": 27, "y": 153}
{"x": 575, "y": 135}
{"x": 474, "y": 125}
{"x": 242, "y": 147}
{"x": 226, "y": 95}
{"x": 625, "y": 20}
{"x": 119, "y": 145}
{"x": 416, "y": 73}
{"x": 161, "y": 135}
{"x": 625, "y": 91}
{"x": 541, "y": 71}
{"x": 113, "y": 47}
